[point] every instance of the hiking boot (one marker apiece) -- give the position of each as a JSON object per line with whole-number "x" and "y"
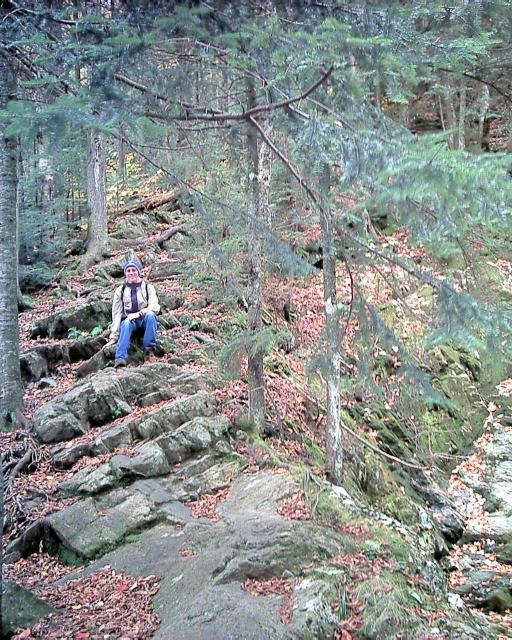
{"x": 120, "y": 362}
{"x": 149, "y": 356}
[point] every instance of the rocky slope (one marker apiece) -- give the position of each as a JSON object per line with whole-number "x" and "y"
{"x": 153, "y": 471}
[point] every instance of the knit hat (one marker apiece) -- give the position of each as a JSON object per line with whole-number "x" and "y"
{"x": 133, "y": 263}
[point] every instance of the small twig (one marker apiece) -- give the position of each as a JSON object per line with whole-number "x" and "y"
{"x": 20, "y": 465}
{"x": 380, "y": 451}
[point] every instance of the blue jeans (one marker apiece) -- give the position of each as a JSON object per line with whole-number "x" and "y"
{"x": 147, "y": 322}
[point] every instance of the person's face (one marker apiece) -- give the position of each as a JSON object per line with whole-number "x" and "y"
{"x": 132, "y": 275}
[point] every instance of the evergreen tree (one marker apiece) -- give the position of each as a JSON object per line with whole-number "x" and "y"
{"x": 10, "y": 380}
{"x": 329, "y": 79}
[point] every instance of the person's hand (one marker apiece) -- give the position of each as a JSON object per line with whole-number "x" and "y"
{"x": 110, "y": 343}
{"x": 133, "y": 316}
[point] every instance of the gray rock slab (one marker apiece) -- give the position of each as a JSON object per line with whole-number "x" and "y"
{"x": 487, "y": 589}
{"x": 91, "y": 526}
{"x": 218, "y": 476}
{"x": 154, "y": 458}
{"x": 497, "y": 487}
{"x": 194, "y": 436}
{"x": 33, "y": 365}
{"x": 66, "y": 456}
{"x": 43, "y": 359}
{"x": 85, "y": 316}
{"x": 21, "y": 608}
{"x": 119, "y": 435}
{"x": 104, "y": 397}
{"x": 201, "y": 595}
{"x": 149, "y": 461}
{"x": 87, "y": 481}
{"x": 174, "y": 414}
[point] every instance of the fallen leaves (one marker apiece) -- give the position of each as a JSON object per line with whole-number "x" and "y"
{"x": 361, "y": 565}
{"x": 504, "y": 388}
{"x": 256, "y": 457}
{"x": 294, "y": 508}
{"x": 37, "y": 571}
{"x": 206, "y": 506}
{"x": 105, "y": 604}
{"x": 276, "y": 586}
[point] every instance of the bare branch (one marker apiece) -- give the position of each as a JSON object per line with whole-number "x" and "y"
{"x": 159, "y": 239}
{"x": 304, "y": 185}
{"x": 222, "y": 116}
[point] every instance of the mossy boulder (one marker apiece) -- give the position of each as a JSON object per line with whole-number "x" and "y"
{"x": 91, "y": 526}
{"x": 132, "y": 227}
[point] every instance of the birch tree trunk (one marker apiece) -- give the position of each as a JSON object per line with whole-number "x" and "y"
{"x": 97, "y": 234}
{"x": 255, "y": 287}
{"x": 483, "y": 109}
{"x": 10, "y": 380}
{"x": 449, "y": 111}
{"x": 461, "y": 138}
{"x": 334, "y": 443}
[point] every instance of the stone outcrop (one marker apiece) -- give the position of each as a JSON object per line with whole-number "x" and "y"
{"x": 42, "y": 360}
{"x": 85, "y": 317}
{"x": 107, "y": 396}
{"x": 153, "y": 458}
{"x": 154, "y": 423}
{"x": 135, "y": 511}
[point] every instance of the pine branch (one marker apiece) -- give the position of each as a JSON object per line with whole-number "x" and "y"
{"x": 223, "y": 116}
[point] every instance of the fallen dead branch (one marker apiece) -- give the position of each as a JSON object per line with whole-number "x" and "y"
{"x": 158, "y": 239}
{"x": 151, "y": 203}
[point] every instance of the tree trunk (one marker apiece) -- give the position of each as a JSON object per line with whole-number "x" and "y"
{"x": 449, "y": 111}
{"x": 10, "y": 380}
{"x": 97, "y": 233}
{"x": 334, "y": 444}
{"x": 461, "y": 137}
{"x": 255, "y": 287}
{"x": 121, "y": 152}
{"x": 483, "y": 109}
{"x": 23, "y": 305}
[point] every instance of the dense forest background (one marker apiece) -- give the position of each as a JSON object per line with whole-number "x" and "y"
{"x": 335, "y": 178}
{"x": 270, "y": 117}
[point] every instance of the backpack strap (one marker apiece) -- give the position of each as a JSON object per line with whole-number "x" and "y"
{"x": 124, "y": 289}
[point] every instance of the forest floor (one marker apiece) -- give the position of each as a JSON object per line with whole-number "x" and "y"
{"x": 112, "y": 599}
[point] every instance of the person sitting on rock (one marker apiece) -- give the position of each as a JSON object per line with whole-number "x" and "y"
{"x": 135, "y": 306}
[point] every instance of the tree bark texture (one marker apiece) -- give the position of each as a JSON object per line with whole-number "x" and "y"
{"x": 255, "y": 287}
{"x": 447, "y": 105}
{"x": 334, "y": 442}
{"x": 482, "y": 112}
{"x": 97, "y": 234}
{"x": 10, "y": 380}
{"x": 461, "y": 137}
{"x": 121, "y": 170}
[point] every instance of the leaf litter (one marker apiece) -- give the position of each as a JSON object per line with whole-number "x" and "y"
{"x": 105, "y": 605}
